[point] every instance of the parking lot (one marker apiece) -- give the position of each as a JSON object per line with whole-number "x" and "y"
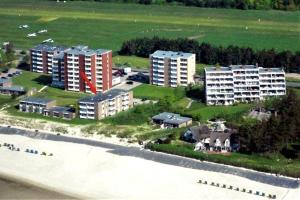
{"x": 127, "y": 84}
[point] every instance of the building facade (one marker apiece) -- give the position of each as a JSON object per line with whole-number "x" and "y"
{"x": 105, "y": 104}
{"x": 41, "y": 57}
{"x": 242, "y": 83}
{"x": 58, "y": 70}
{"x": 172, "y": 69}
{"x": 35, "y": 105}
{"x": 87, "y": 70}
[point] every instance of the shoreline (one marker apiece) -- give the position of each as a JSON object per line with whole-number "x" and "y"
{"x": 16, "y": 187}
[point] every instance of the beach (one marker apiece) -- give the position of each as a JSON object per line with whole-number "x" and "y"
{"x": 92, "y": 172}
{"x": 15, "y": 189}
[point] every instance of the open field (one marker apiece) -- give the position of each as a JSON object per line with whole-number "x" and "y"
{"x": 107, "y": 25}
{"x": 203, "y": 112}
{"x": 155, "y": 92}
{"x": 132, "y": 61}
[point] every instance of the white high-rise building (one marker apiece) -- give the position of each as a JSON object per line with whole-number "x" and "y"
{"x": 242, "y": 83}
{"x": 172, "y": 69}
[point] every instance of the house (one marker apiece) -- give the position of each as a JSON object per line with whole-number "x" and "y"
{"x": 242, "y": 83}
{"x": 105, "y": 104}
{"x": 6, "y": 87}
{"x": 172, "y": 69}
{"x": 5, "y": 82}
{"x": 212, "y": 137}
{"x": 35, "y": 105}
{"x": 171, "y": 120}
{"x": 13, "y": 90}
{"x": 60, "y": 112}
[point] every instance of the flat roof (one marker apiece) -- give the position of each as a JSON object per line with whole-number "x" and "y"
{"x": 48, "y": 47}
{"x": 5, "y": 80}
{"x": 14, "y": 88}
{"x": 103, "y": 96}
{"x": 171, "y": 118}
{"x": 222, "y": 69}
{"x": 171, "y": 54}
{"x": 81, "y": 49}
{"x": 236, "y": 67}
{"x": 60, "y": 109}
{"x": 59, "y": 55}
{"x": 36, "y": 100}
{"x": 271, "y": 70}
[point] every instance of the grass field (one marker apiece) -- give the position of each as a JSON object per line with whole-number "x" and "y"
{"x": 203, "y": 112}
{"x": 132, "y": 61}
{"x": 155, "y": 92}
{"x": 107, "y": 25}
{"x": 37, "y": 80}
{"x": 266, "y": 163}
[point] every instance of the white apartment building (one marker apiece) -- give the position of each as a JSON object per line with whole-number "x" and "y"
{"x": 172, "y": 69}
{"x": 105, "y": 104}
{"x": 242, "y": 83}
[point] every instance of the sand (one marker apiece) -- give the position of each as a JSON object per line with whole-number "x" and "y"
{"x": 84, "y": 171}
{"x": 16, "y": 189}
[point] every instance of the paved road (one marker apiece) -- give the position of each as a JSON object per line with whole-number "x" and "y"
{"x": 162, "y": 158}
{"x": 293, "y": 84}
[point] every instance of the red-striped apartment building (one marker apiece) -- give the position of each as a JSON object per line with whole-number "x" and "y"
{"x": 81, "y": 69}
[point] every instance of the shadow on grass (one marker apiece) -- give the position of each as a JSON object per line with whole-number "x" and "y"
{"x": 43, "y": 80}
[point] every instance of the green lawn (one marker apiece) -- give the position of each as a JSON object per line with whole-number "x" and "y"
{"x": 204, "y": 112}
{"x": 4, "y": 99}
{"x": 38, "y": 80}
{"x": 266, "y": 163}
{"x": 132, "y": 61}
{"x": 107, "y": 25}
{"x": 155, "y": 92}
{"x": 290, "y": 79}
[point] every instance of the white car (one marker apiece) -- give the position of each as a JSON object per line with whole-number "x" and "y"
{"x": 31, "y": 35}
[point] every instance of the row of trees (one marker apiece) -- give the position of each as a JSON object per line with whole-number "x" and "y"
{"x": 238, "y": 4}
{"x": 242, "y": 4}
{"x": 278, "y": 132}
{"x": 212, "y": 55}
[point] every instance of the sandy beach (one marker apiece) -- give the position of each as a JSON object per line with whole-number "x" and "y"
{"x": 15, "y": 189}
{"x": 89, "y": 172}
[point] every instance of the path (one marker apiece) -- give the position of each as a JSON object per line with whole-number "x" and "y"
{"x": 190, "y": 103}
{"x": 162, "y": 158}
{"x": 43, "y": 88}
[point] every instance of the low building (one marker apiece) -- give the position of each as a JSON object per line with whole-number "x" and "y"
{"x": 6, "y": 87}
{"x": 171, "y": 120}
{"x": 212, "y": 137}
{"x": 13, "y": 90}
{"x": 36, "y": 105}
{"x": 105, "y": 104}
{"x": 5, "y": 82}
{"x": 60, "y": 112}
